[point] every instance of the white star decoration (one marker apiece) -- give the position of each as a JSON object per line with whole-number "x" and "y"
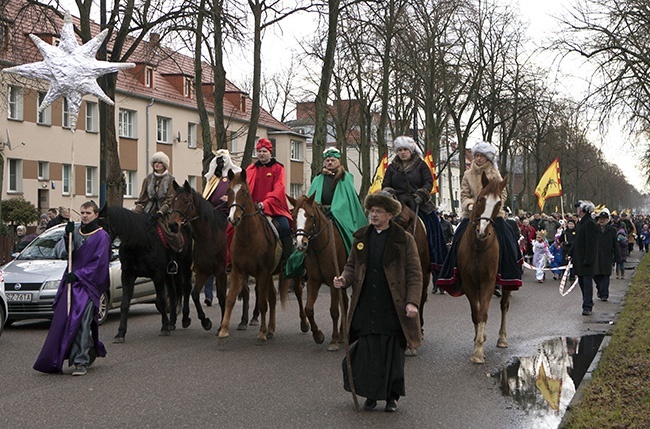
{"x": 71, "y": 69}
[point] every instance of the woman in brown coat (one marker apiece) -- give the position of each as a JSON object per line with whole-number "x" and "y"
{"x": 384, "y": 271}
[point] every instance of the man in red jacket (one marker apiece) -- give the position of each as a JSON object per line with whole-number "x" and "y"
{"x": 266, "y": 180}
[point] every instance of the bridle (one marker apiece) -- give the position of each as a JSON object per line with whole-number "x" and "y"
{"x": 316, "y": 228}
{"x": 185, "y": 215}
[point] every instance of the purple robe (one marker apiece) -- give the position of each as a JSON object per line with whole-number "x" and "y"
{"x": 90, "y": 263}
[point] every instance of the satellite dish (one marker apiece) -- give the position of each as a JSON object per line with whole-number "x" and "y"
{"x": 8, "y": 142}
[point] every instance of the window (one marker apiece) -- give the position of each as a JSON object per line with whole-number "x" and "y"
{"x": 188, "y": 83}
{"x": 148, "y": 77}
{"x": 92, "y": 117}
{"x": 65, "y": 121}
{"x": 43, "y": 170}
{"x": 234, "y": 146}
{"x": 296, "y": 150}
{"x": 131, "y": 179}
{"x": 45, "y": 116}
{"x": 192, "y": 181}
{"x": 191, "y": 135}
{"x": 66, "y": 172}
{"x": 15, "y": 183}
{"x": 128, "y": 123}
{"x": 164, "y": 132}
{"x": 91, "y": 181}
{"x": 15, "y": 101}
{"x": 295, "y": 190}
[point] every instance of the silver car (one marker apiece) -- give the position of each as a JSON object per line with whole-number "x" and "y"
{"x": 4, "y": 309}
{"x": 32, "y": 279}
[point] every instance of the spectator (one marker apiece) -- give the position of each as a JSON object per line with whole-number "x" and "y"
{"x": 583, "y": 254}
{"x": 607, "y": 253}
{"x": 18, "y": 245}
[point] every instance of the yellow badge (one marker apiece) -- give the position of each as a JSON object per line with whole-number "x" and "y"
{"x": 224, "y": 179}
{"x": 359, "y": 246}
{"x": 269, "y": 174}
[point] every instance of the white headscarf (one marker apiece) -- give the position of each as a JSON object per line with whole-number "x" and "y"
{"x": 486, "y": 149}
{"x": 227, "y": 165}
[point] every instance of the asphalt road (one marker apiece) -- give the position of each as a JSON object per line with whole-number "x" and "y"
{"x": 189, "y": 380}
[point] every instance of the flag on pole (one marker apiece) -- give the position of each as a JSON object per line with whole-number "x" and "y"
{"x": 550, "y": 185}
{"x": 432, "y": 166}
{"x": 379, "y": 175}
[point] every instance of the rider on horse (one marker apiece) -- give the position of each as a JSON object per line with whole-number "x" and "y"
{"x": 266, "y": 180}
{"x": 155, "y": 199}
{"x": 509, "y": 255}
{"x": 410, "y": 179}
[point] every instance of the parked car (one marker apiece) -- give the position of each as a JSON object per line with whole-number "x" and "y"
{"x": 33, "y": 277}
{"x": 4, "y": 309}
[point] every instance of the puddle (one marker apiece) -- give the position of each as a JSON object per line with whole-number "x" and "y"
{"x": 544, "y": 384}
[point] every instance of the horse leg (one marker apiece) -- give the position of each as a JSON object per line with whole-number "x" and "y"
{"x": 263, "y": 281}
{"x": 423, "y": 299}
{"x": 221, "y": 286}
{"x": 236, "y": 283}
{"x": 297, "y": 290}
{"x": 334, "y": 314}
{"x": 161, "y": 304}
{"x": 505, "y": 305}
{"x": 272, "y": 300}
{"x": 185, "y": 274}
{"x": 482, "y": 300}
{"x": 255, "y": 321}
{"x": 312, "y": 293}
{"x": 201, "y": 278}
{"x": 245, "y": 296}
{"x": 127, "y": 294}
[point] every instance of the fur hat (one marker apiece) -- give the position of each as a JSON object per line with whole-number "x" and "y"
{"x": 160, "y": 157}
{"x": 486, "y": 149}
{"x": 408, "y": 143}
{"x": 383, "y": 199}
{"x": 586, "y": 206}
{"x": 331, "y": 152}
{"x": 264, "y": 143}
{"x": 227, "y": 165}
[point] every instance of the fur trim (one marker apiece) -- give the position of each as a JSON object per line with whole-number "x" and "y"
{"x": 385, "y": 200}
{"x": 408, "y": 143}
{"x": 486, "y": 149}
{"x": 160, "y": 157}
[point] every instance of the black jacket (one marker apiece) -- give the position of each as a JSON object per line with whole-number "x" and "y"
{"x": 583, "y": 251}
{"x": 608, "y": 251}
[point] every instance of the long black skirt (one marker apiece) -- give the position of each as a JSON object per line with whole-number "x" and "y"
{"x": 377, "y": 367}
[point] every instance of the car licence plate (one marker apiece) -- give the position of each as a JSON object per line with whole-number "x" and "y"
{"x": 19, "y": 297}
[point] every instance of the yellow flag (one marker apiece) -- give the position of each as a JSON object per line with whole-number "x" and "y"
{"x": 550, "y": 185}
{"x": 429, "y": 160}
{"x": 379, "y": 175}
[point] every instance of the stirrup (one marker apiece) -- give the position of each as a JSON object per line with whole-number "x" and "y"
{"x": 172, "y": 267}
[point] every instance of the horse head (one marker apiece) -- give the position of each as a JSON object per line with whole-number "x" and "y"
{"x": 487, "y": 205}
{"x": 240, "y": 202}
{"x": 183, "y": 207}
{"x": 305, "y": 221}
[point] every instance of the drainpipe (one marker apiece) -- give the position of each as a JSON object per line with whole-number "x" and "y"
{"x": 147, "y": 136}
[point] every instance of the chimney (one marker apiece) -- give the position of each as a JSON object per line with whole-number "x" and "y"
{"x": 154, "y": 40}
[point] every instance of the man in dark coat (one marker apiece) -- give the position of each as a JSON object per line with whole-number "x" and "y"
{"x": 608, "y": 253}
{"x": 583, "y": 254}
{"x": 74, "y": 333}
{"x": 384, "y": 271}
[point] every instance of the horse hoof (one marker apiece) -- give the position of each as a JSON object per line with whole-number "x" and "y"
{"x": 477, "y": 359}
{"x": 333, "y": 347}
{"x": 163, "y": 333}
{"x": 118, "y": 340}
{"x": 206, "y": 324}
{"x": 187, "y": 322}
{"x": 304, "y": 326}
{"x": 261, "y": 341}
{"x": 411, "y": 352}
{"x": 502, "y": 344}
{"x": 254, "y": 322}
{"x": 242, "y": 327}
{"x": 319, "y": 337}
{"x": 223, "y": 341}
{"x": 269, "y": 335}
{"x": 172, "y": 327}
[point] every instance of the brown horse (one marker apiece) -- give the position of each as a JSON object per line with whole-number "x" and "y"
{"x": 255, "y": 251}
{"x": 478, "y": 263}
{"x": 209, "y": 232}
{"x": 408, "y": 220}
{"x": 321, "y": 242}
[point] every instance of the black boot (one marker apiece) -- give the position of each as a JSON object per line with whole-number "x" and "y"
{"x": 287, "y": 248}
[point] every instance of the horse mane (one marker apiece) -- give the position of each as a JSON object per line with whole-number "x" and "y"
{"x": 207, "y": 210}
{"x": 132, "y": 228}
{"x": 492, "y": 187}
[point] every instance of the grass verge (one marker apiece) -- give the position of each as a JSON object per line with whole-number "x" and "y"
{"x": 619, "y": 393}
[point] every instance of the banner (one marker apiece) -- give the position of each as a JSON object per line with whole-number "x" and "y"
{"x": 432, "y": 166}
{"x": 379, "y": 175}
{"x": 550, "y": 185}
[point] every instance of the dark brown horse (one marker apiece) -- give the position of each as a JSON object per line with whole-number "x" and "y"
{"x": 478, "y": 263}
{"x": 321, "y": 241}
{"x": 408, "y": 220}
{"x": 209, "y": 232}
{"x": 254, "y": 251}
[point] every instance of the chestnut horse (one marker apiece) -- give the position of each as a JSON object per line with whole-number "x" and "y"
{"x": 209, "y": 233}
{"x": 478, "y": 263}
{"x": 408, "y": 220}
{"x": 255, "y": 251}
{"x": 320, "y": 240}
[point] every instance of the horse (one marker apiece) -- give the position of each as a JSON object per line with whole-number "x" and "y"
{"x": 256, "y": 251}
{"x": 209, "y": 233}
{"x": 478, "y": 263}
{"x": 319, "y": 239}
{"x": 142, "y": 253}
{"x": 408, "y": 220}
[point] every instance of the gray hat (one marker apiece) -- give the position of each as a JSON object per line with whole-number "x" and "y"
{"x": 383, "y": 199}
{"x": 160, "y": 157}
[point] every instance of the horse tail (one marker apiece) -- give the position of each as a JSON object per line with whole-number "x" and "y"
{"x": 284, "y": 288}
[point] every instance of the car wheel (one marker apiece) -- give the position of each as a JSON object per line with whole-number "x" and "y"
{"x": 3, "y": 317}
{"x": 103, "y": 308}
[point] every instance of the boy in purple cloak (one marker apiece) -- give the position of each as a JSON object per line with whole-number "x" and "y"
{"x": 74, "y": 333}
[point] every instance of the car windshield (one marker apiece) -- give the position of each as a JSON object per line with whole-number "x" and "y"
{"x": 43, "y": 246}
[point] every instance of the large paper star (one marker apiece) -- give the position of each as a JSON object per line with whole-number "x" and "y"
{"x": 71, "y": 69}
